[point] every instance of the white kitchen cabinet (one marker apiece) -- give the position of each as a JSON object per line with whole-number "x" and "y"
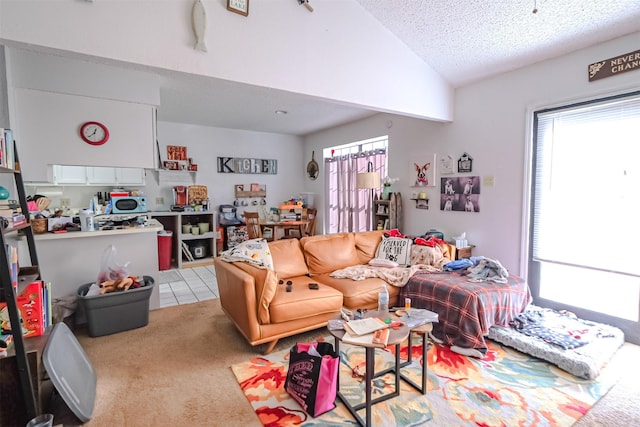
{"x": 69, "y": 174}
{"x": 100, "y": 175}
{"x": 130, "y": 176}
{"x": 95, "y": 175}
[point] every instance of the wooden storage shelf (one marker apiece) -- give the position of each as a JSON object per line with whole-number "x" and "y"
{"x": 173, "y": 221}
{"x": 380, "y": 214}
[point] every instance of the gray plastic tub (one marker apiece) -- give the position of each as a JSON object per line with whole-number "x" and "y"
{"x": 71, "y": 372}
{"x": 117, "y": 311}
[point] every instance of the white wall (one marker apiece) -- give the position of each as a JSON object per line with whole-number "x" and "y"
{"x": 332, "y": 53}
{"x": 493, "y": 125}
{"x": 206, "y": 144}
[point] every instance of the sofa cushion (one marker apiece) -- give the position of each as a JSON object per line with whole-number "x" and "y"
{"x": 367, "y": 244}
{"x": 360, "y": 293}
{"x": 266, "y": 284}
{"x": 302, "y": 302}
{"x": 288, "y": 259}
{"x": 329, "y": 252}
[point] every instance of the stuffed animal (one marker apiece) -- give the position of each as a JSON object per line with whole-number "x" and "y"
{"x": 122, "y": 284}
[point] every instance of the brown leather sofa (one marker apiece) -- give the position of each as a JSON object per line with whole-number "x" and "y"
{"x": 262, "y": 309}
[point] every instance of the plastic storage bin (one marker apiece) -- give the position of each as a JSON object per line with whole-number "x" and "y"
{"x": 117, "y": 311}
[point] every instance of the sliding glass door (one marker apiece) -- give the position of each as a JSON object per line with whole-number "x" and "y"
{"x": 584, "y": 230}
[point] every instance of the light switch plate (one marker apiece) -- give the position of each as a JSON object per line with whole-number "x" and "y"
{"x": 159, "y": 200}
{"x": 488, "y": 181}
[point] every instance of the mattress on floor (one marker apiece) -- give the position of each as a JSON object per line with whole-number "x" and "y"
{"x": 585, "y": 362}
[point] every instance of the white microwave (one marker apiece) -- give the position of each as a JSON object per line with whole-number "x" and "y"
{"x": 128, "y": 204}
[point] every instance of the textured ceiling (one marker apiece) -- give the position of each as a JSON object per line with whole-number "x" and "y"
{"x": 463, "y": 40}
{"x": 468, "y": 40}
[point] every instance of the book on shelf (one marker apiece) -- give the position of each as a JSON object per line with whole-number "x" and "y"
{"x": 17, "y": 219}
{"x": 378, "y": 339}
{"x": 13, "y": 262}
{"x": 31, "y": 307}
{"x": 364, "y": 326}
{"x": 6, "y": 148}
{"x": 187, "y": 253}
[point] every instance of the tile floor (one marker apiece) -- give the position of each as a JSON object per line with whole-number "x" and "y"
{"x": 187, "y": 285}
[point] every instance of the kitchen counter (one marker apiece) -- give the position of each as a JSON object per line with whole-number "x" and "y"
{"x": 153, "y": 226}
{"x": 70, "y": 260}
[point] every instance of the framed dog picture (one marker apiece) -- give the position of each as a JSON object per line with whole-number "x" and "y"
{"x": 465, "y": 163}
{"x": 424, "y": 171}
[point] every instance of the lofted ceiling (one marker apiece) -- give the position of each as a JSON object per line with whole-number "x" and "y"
{"x": 464, "y": 41}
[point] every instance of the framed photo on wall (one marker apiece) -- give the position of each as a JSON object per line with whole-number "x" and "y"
{"x": 424, "y": 171}
{"x": 465, "y": 163}
{"x": 446, "y": 164}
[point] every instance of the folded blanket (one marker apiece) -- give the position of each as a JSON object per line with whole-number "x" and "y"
{"x": 396, "y": 276}
{"x": 255, "y": 252}
{"x": 565, "y": 331}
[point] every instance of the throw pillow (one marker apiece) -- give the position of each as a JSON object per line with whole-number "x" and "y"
{"x": 380, "y": 262}
{"x": 396, "y": 249}
{"x": 255, "y": 252}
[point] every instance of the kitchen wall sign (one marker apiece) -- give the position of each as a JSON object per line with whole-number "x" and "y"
{"x": 245, "y": 165}
{"x": 94, "y": 133}
{"x": 176, "y": 152}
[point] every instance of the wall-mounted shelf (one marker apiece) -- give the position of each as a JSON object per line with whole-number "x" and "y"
{"x": 422, "y": 203}
{"x": 248, "y": 194}
{"x": 175, "y": 176}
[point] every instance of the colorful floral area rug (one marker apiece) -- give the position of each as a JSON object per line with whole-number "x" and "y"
{"x": 505, "y": 388}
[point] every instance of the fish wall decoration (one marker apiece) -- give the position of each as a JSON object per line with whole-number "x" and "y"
{"x": 199, "y": 17}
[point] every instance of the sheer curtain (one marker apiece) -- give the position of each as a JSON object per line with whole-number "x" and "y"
{"x": 348, "y": 208}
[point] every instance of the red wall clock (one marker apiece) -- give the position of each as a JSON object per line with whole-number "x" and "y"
{"x": 94, "y": 133}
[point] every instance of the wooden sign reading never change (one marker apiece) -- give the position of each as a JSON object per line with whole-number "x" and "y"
{"x": 613, "y": 66}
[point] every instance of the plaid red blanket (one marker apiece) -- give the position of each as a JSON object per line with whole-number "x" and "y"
{"x": 466, "y": 309}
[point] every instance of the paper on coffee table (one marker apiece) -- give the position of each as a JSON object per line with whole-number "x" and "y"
{"x": 364, "y": 326}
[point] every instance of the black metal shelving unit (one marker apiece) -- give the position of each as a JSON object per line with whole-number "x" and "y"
{"x": 8, "y": 294}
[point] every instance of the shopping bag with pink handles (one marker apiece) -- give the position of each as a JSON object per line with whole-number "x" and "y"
{"x": 312, "y": 378}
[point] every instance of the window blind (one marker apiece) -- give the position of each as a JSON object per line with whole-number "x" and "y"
{"x": 586, "y": 187}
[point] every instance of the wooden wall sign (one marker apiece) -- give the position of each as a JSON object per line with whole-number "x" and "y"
{"x": 243, "y": 165}
{"x": 613, "y": 66}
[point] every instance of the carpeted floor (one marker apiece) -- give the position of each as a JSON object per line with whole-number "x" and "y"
{"x": 176, "y": 371}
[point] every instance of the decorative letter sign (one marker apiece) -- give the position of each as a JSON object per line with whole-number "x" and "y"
{"x": 241, "y": 165}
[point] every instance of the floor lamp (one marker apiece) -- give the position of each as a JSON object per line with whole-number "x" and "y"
{"x": 369, "y": 180}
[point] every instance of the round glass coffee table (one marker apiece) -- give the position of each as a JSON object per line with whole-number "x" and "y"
{"x": 396, "y": 337}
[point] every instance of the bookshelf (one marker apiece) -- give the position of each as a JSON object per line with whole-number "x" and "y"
{"x": 26, "y": 391}
{"x": 381, "y": 214}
